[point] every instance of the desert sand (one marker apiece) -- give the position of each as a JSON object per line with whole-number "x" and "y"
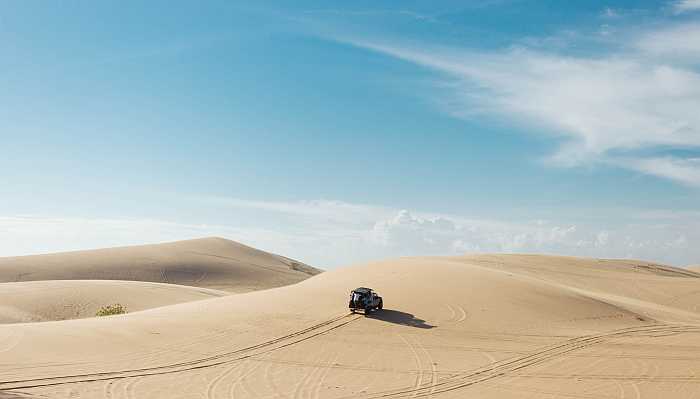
{"x": 477, "y": 326}
{"x": 73, "y": 299}
{"x": 212, "y": 262}
{"x": 77, "y": 284}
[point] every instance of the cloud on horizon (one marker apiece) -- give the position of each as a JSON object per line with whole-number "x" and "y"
{"x": 332, "y": 233}
{"x": 612, "y": 109}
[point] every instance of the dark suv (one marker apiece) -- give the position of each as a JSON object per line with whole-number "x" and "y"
{"x": 365, "y": 299}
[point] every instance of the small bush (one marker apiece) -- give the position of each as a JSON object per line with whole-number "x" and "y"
{"x": 110, "y": 310}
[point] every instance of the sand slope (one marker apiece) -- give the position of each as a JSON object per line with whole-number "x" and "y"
{"x": 209, "y": 262}
{"x": 490, "y": 326}
{"x": 33, "y": 301}
{"x": 76, "y": 284}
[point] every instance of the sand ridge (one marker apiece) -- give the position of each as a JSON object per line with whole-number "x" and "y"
{"x": 76, "y": 284}
{"x": 212, "y": 262}
{"x": 488, "y": 326}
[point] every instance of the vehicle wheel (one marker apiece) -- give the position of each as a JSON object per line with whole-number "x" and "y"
{"x": 381, "y": 305}
{"x": 367, "y": 310}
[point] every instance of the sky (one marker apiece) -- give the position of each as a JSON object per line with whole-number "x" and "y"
{"x": 343, "y": 132}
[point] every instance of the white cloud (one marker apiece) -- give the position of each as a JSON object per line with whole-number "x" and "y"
{"x": 686, "y": 6}
{"x": 337, "y": 211}
{"x": 602, "y": 239}
{"x": 641, "y": 98}
{"x": 683, "y": 170}
{"x": 312, "y": 234}
{"x": 405, "y": 233}
{"x": 422, "y": 235}
{"x": 675, "y": 43}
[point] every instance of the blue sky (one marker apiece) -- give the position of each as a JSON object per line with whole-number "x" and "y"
{"x": 338, "y": 132}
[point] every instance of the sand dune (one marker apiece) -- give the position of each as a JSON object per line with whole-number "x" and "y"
{"x": 76, "y": 284}
{"x": 33, "y": 301}
{"x": 694, "y": 268}
{"x": 488, "y": 326}
{"x": 209, "y": 262}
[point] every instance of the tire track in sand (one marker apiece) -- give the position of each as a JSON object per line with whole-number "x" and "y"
{"x": 299, "y": 387}
{"x": 433, "y": 366}
{"x": 416, "y": 360}
{"x": 327, "y": 370}
{"x": 214, "y": 383}
{"x": 270, "y": 379}
{"x": 209, "y": 361}
{"x": 244, "y": 384}
{"x": 539, "y": 356}
{"x": 109, "y": 389}
{"x": 317, "y": 373}
{"x": 463, "y": 314}
{"x": 453, "y": 314}
{"x": 130, "y": 387}
{"x": 244, "y": 374}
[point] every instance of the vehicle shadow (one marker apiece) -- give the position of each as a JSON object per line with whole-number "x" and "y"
{"x": 398, "y": 317}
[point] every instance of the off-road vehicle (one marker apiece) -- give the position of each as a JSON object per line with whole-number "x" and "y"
{"x": 365, "y": 299}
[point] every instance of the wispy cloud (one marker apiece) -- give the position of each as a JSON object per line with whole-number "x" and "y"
{"x": 603, "y": 108}
{"x": 374, "y": 13}
{"x": 330, "y": 233}
{"x": 683, "y": 170}
{"x": 336, "y": 211}
{"x": 675, "y": 44}
{"x": 683, "y": 6}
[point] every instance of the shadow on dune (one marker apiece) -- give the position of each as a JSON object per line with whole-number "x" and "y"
{"x": 398, "y": 317}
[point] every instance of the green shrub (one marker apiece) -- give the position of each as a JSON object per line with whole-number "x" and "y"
{"x": 109, "y": 310}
